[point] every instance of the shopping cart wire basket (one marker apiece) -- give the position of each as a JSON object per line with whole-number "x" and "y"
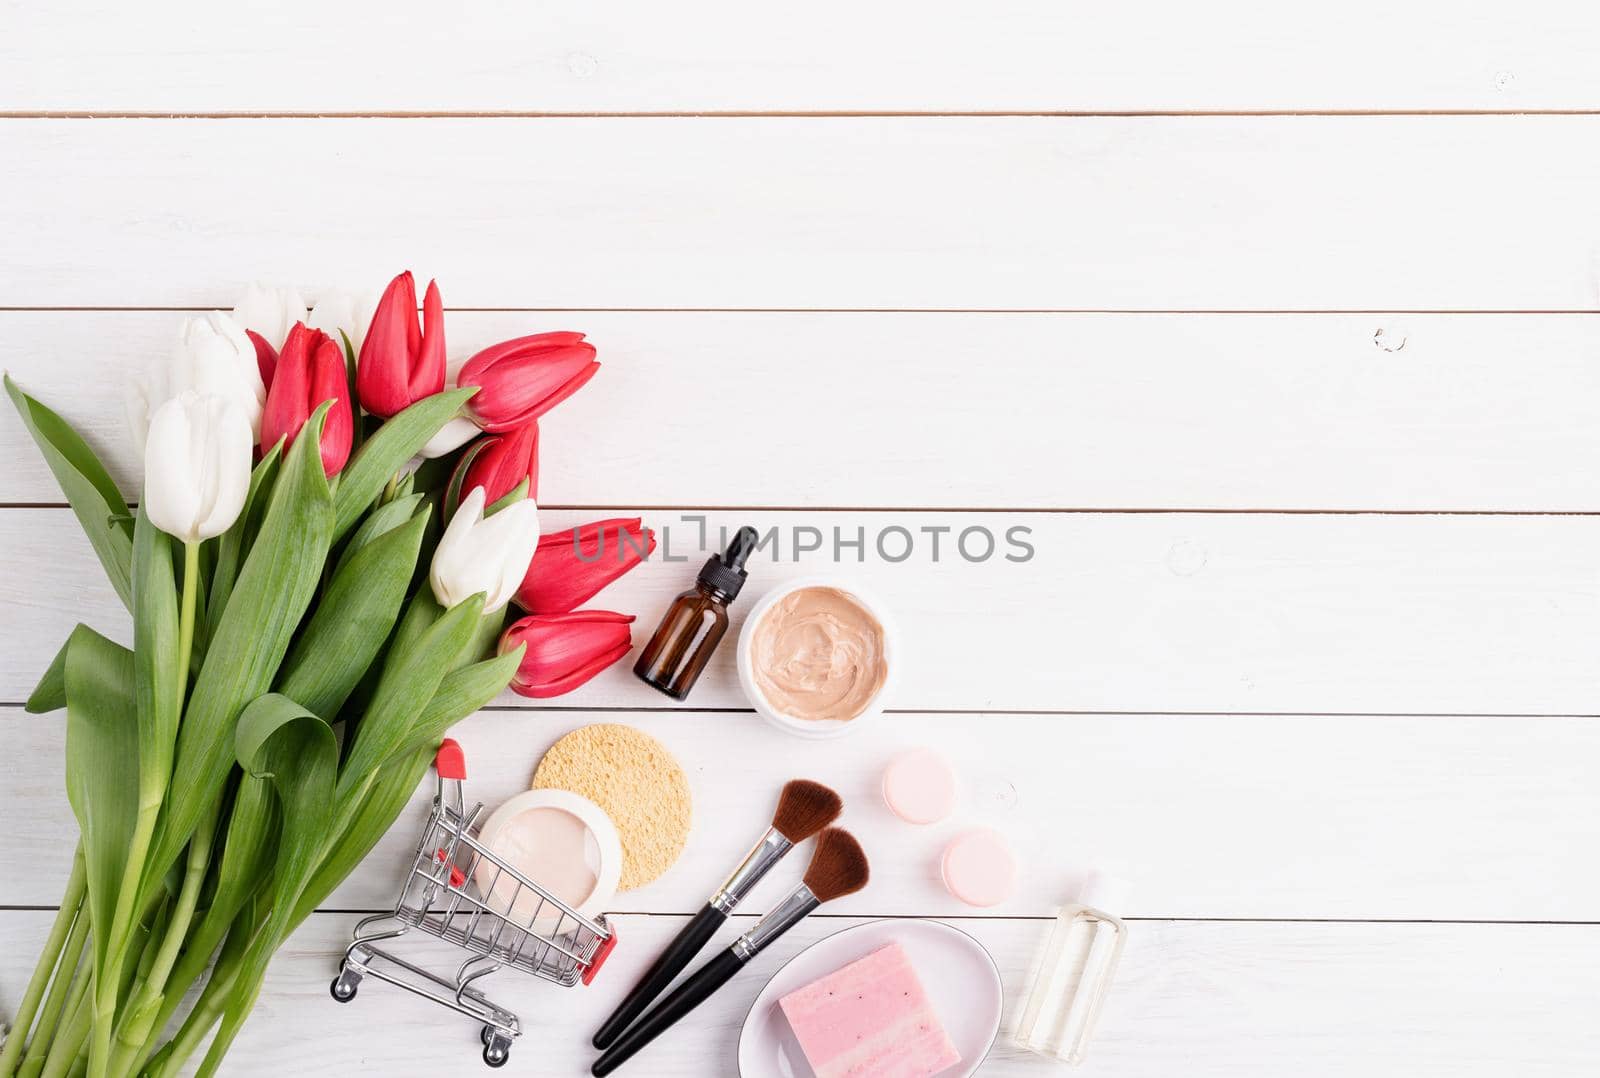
{"x": 461, "y": 892}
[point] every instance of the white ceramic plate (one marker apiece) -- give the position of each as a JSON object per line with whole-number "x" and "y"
{"x": 966, "y": 993}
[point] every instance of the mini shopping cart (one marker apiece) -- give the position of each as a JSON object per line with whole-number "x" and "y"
{"x": 442, "y": 896}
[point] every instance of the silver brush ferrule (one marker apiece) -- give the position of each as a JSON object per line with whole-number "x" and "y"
{"x": 783, "y": 917}
{"x": 768, "y": 852}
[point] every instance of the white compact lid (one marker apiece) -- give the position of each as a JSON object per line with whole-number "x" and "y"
{"x": 1104, "y": 892}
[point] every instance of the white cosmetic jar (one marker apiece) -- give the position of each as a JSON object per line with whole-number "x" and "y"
{"x": 816, "y": 729}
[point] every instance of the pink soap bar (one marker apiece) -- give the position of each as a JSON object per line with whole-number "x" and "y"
{"x": 870, "y": 1019}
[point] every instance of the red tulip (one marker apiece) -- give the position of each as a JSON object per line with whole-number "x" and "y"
{"x": 266, "y": 356}
{"x": 565, "y": 650}
{"x": 503, "y": 462}
{"x": 310, "y": 370}
{"x": 522, "y": 379}
{"x": 400, "y": 364}
{"x": 570, "y": 567}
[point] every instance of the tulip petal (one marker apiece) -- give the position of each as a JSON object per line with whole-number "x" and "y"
{"x": 270, "y": 312}
{"x": 504, "y": 462}
{"x": 572, "y": 566}
{"x": 451, "y": 558}
{"x": 488, "y": 555}
{"x": 525, "y": 386}
{"x": 286, "y": 408}
{"x": 452, "y": 436}
{"x": 472, "y": 370}
{"x": 428, "y": 361}
{"x": 343, "y": 312}
{"x": 382, "y": 371}
{"x": 330, "y": 382}
{"x": 197, "y": 466}
{"x": 562, "y": 651}
{"x": 170, "y": 498}
{"x": 266, "y": 356}
{"x": 228, "y": 461}
{"x": 564, "y": 684}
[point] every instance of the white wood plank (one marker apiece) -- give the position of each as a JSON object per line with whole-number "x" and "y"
{"x": 637, "y": 56}
{"x": 1491, "y": 412}
{"x": 1114, "y": 612}
{"x": 1212, "y": 816}
{"x": 1211, "y": 1000}
{"x": 1262, "y": 213}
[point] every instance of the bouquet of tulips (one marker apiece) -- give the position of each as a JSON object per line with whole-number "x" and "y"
{"x": 332, "y": 524}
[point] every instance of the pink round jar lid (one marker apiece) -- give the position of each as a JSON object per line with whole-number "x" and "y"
{"x": 919, "y": 786}
{"x": 979, "y": 868}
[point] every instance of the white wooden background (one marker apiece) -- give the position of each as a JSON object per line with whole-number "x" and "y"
{"x": 1276, "y": 328}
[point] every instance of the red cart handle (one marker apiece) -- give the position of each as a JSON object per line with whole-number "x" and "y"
{"x": 600, "y": 956}
{"x": 449, "y": 761}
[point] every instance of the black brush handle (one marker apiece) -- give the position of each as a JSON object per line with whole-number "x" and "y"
{"x": 679, "y": 953}
{"x": 685, "y": 998}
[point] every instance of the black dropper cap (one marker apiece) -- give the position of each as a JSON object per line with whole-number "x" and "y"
{"x": 727, "y": 573}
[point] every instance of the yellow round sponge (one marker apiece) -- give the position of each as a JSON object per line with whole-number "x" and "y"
{"x": 637, "y": 782}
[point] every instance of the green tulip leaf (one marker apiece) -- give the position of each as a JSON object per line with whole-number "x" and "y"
{"x": 234, "y": 544}
{"x": 51, "y": 692}
{"x": 461, "y": 693}
{"x": 382, "y": 520}
{"x": 275, "y": 586}
{"x": 102, "y": 738}
{"x": 452, "y": 489}
{"x": 88, "y": 487}
{"x": 158, "y": 679}
{"x": 281, "y": 742}
{"x": 247, "y": 858}
{"x": 516, "y": 494}
{"x": 411, "y": 675}
{"x": 389, "y": 793}
{"x": 354, "y": 617}
{"x": 387, "y": 451}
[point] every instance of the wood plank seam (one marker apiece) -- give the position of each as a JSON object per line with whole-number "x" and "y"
{"x": 775, "y": 114}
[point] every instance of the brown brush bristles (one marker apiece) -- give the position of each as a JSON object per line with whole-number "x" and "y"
{"x": 804, "y": 808}
{"x": 839, "y": 866}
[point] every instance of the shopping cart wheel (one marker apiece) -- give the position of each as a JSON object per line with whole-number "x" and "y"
{"x": 496, "y": 1054}
{"x": 342, "y": 990}
{"x": 486, "y": 1034}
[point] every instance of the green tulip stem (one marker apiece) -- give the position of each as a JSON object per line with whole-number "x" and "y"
{"x": 208, "y": 1010}
{"x": 151, "y": 794}
{"x": 140, "y": 1014}
{"x": 55, "y": 1003}
{"x": 191, "y": 592}
{"x": 60, "y": 931}
{"x": 79, "y": 1012}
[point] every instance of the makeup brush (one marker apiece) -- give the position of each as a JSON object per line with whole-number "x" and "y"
{"x": 838, "y": 868}
{"x": 804, "y": 808}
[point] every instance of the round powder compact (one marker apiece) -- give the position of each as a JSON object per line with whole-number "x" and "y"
{"x": 919, "y": 786}
{"x": 559, "y": 841}
{"x": 636, "y": 782}
{"x": 979, "y": 868}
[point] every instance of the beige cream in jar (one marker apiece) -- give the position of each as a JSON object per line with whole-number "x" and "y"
{"x": 814, "y": 658}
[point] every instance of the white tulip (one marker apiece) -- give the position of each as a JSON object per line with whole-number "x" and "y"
{"x": 343, "y": 312}
{"x": 488, "y": 555}
{"x": 212, "y": 356}
{"x": 452, "y": 436}
{"x": 197, "y": 466}
{"x": 271, "y": 312}
{"x": 458, "y": 431}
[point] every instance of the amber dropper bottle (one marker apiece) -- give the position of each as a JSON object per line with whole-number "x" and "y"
{"x": 695, "y": 622}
